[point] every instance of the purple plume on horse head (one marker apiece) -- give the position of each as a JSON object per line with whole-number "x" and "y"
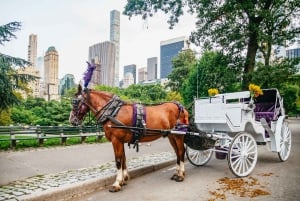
{"x": 87, "y": 76}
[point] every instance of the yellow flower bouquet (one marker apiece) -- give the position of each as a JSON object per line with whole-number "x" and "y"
{"x": 213, "y": 91}
{"x": 255, "y": 90}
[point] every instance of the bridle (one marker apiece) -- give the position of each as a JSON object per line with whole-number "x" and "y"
{"x": 108, "y": 110}
{"x": 77, "y": 103}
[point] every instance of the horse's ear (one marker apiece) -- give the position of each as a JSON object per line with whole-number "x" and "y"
{"x": 79, "y": 89}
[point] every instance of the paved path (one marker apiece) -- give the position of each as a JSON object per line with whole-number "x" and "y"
{"x": 64, "y": 172}
{"x": 52, "y": 173}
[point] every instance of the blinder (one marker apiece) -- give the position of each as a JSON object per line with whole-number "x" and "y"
{"x": 75, "y": 103}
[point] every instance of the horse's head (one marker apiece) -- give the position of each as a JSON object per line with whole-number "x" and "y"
{"x": 79, "y": 107}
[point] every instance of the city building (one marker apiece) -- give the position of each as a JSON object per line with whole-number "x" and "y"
{"x": 33, "y": 86}
{"x": 142, "y": 74}
{"x": 67, "y": 82}
{"x": 131, "y": 69}
{"x": 103, "y": 55}
{"x": 168, "y": 50}
{"x": 40, "y": 67}
{"x": 128, "y": 80}
{"x": 51, "y": 81}
{"x": 152, "y": 68}
{"x": 294, "y": 52}
{"x": 115, "y": 38}
{"x": 32, "y": 50}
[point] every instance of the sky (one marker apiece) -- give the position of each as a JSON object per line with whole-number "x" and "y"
{"x": 71, "y": 26}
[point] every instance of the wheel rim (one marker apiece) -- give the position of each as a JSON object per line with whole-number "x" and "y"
{"x": 285, "y": 142}
{"x": 198, "y": 157}
{"x": 242, "y": 155}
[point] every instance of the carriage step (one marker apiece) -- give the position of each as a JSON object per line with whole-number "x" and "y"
{"x": 265, "y": 124}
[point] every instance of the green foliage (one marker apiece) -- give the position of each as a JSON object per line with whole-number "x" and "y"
{"x": 274, "y": 76}
{"x": 7, "y": 31}
{"x": 37, "y": 111}
{"x": 174, "y": 96}
{"x": 114, "y": 90}
{"x": 213, "y": 70}
{"x": 290, "y": 94}
{"x": 182, "y": 66}
{"x": 10, "y": 79}
{"x": 5, "y": 118}
{"x": 233, "y": 26}
{"x": 146, "y": 93}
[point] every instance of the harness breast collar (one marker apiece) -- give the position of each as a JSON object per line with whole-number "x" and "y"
{"x": 110, "y": 110}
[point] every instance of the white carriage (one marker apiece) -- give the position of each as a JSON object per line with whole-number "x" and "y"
{"x": 237, "y": 124}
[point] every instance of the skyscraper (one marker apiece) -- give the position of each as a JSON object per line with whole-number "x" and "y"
{"x": 152, "y": 68}
{"x": 115, "y": 38}
{"x": 32, "y": 50}
{"x": 33, "y": 85}
{"x": 142, "y": 74}
{"x": 130, "y": 69}
{"x": 67, "y": 82}
{"x": 168, "y": 50}
{"x": 103, "y": 55}
{"x": 40, "y": 67}
{"x": 51, "y": 74}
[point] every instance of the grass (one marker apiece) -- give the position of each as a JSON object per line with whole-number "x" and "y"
{"x": 33, "y": 143}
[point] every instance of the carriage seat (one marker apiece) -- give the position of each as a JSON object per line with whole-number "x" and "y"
{"x": 266, "y": 111}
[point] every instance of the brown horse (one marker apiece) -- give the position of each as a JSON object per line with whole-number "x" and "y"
{"x": 117, "y": 116}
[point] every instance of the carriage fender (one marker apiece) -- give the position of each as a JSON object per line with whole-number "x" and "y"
{"x": 275, "y": 140}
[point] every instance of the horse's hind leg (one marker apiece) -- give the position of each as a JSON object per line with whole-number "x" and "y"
{"x": 178, "y": 146}
{"x": 124, "y": 169}
{"x": 120, "y": 160}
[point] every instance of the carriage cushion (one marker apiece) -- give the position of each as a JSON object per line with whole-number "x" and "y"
{"x": 264, "y": 110}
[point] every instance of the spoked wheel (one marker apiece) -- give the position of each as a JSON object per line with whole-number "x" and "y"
{"x": 198, "y": 157}
{"x": 242, "y": 154}
{"x": 285, "y": 142}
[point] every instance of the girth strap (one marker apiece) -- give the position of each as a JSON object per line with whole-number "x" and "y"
{"x": 139, "y": 121}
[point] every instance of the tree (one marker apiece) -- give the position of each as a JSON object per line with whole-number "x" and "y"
{"x": 182, "y": 66}
{"x": 10, "y": 79}
{"x": 236, "y": 27}
{"x": 5, "y": 118}
{"x": 213, "y": 70}
{"x": 276, "y": 75}
{"x": 146, "y": 93}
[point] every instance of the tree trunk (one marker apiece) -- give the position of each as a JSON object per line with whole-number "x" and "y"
{"x": 251, "y": 51}
{"x": 250, "y": 60}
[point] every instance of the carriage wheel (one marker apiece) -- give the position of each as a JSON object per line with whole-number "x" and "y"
{"x": 285, "y": 142}
{"x": 198, "y": 157}
{"x": 242, "y": 154}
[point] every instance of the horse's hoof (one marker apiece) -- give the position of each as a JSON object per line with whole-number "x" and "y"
{"x": 179, "y": 179}
{"x": 126, "y": 178}
{"x": 114, "y": 189}
{"x": 123, "y": 183}
{"x": 174, "y": 177}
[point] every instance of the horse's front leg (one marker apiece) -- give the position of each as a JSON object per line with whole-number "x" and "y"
{"x": 120, "y": 159}
{"x": 177, "y": 143}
